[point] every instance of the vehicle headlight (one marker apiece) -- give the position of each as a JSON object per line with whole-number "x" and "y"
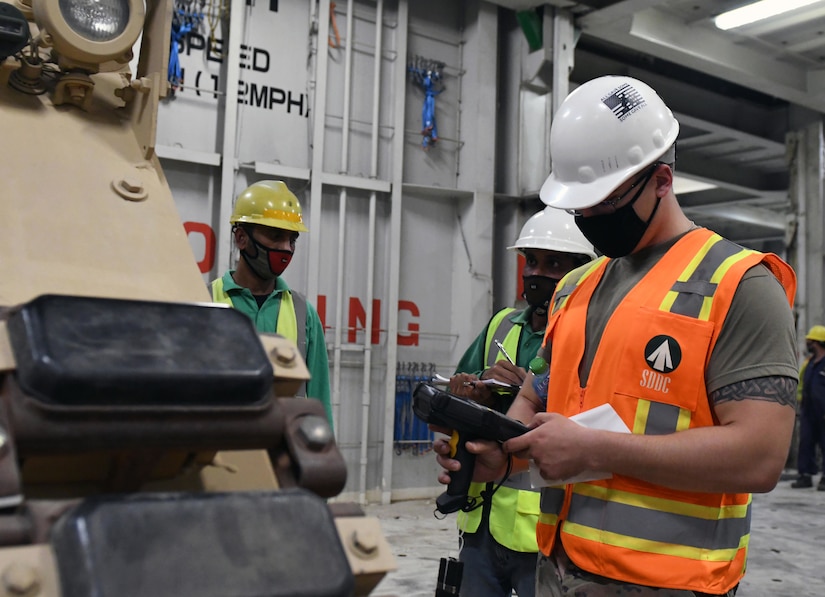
{"x": 96, "y": 20}
{"x": 86, "y": 33}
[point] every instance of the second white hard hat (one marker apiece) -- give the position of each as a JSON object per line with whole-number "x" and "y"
{"x": 553, "y": 230}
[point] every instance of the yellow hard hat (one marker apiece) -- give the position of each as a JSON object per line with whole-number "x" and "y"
{"x": 269, "y": 203}
{"x": 816, "y": 333}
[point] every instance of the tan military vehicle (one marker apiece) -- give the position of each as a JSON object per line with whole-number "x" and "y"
{"x": 149, "y": 443}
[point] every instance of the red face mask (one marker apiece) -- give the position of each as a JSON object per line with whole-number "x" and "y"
{"x": 267, "y": 263}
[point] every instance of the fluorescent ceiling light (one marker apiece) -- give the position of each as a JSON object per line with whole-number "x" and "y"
{"x": 758, "y": 11}
{"x": 683, "y": 185}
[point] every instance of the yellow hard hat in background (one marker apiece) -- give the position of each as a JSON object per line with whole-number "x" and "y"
{"x": 816, "y": 333}
{"x": 269, "y": 203}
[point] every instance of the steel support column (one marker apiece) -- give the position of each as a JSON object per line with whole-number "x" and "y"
{"x": 807, "y": 249}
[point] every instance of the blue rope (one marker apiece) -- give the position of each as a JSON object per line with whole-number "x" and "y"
{"x": 427, "y": 78}
{"x": 182, "y": 23}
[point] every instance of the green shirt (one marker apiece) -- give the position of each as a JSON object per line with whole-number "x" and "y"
{"x": 529, "y": 343}
{"x": 266, "y": 319}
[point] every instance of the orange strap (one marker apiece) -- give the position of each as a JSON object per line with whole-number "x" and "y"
{"x": 334, "y": 24}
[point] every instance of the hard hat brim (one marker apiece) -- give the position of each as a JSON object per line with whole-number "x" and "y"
{"x": 816, "y": 333}
{"x": 578, "y": 195}
{"x": 567, "y": 248}
{"x": 269, "y": 222}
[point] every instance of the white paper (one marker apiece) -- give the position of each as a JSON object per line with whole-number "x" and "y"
{"x": 602, "y": 417}
{"x": 495, "y": 382}
{"x": 440, "y": 380}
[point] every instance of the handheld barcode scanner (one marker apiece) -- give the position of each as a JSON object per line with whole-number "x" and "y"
{"x": 469, "y": 421}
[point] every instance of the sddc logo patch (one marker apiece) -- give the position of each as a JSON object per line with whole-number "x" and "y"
{"x": 663, "y": 354}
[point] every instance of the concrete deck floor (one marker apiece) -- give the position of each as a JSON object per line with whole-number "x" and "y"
{"x": 787, "y": 548}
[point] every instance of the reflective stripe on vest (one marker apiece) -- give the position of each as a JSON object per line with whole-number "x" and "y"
{"x": 293, "y": 309}
{"x": 705, "y": 532}
{"x": 624, "y": 528}
{"x": 570, "y": 282}
{"x": 218, "y": 294}
{"x": 552, "y": 500}
{"x": 502, "y": 328}
{"x": 515, "y": 507}
{"x": 513, "y": 516}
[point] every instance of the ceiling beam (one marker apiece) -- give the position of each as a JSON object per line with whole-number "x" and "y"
{"x": 724, "y": 196}
{"x": 700, "y": 47}
{"x": 755, "y": 216}
{"x": 607, "y": 16}
{"x": 742, "y": 179}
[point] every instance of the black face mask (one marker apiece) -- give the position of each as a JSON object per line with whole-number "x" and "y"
{"x": 618, "y": 233}
{"x": 538, "y": 290}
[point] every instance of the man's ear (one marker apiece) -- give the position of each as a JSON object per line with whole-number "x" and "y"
{"x": 663, "y": 179}
{"x": 241, "y": 237}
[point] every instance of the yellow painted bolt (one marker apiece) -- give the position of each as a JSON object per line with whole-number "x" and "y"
{"x": 20, "y": 579}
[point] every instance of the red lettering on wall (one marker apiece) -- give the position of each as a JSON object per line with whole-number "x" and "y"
{"x": 208, "y": 262}
{"x": 357, "y": 314}
{"x": 412, "y": 338}
{"x": 321, "y": 307}
{"x": 357, "y": 318}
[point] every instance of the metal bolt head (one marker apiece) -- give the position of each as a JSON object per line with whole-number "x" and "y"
{"x": 77, "y": 92}
{"x": 142, "y": 84}
{"x": 364, "y": 542}
{"x": 315, "y": 432}
{"x": 20, "y": 579}
{"x": 284, "y": 355}
{"x": 132, "y": 184}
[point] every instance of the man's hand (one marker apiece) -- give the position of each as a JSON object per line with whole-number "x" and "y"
{"x": 491, "y": 461}
{"x": 555, "y": 443}
{"x": 466, "y": 386}
{"x": 754, "y": 431}
{"x": 505, "y": 372}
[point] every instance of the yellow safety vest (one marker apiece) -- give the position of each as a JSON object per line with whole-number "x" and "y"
{"x": 287, "y": 324}
{"x": 514, "y": 511}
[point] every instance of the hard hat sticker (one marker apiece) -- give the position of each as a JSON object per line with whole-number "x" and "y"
{"x": 624, "y": 101}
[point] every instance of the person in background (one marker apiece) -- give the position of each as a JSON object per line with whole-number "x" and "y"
{"x": 812, "y": 410}
{"x": 499, "y": 536}
{"x": 685, "y": 338}
{"x": 266, "y": 222}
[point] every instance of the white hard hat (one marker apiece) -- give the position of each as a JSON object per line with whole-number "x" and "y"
{"x": 553, "y": 230}
{"x": 605, "y": 132}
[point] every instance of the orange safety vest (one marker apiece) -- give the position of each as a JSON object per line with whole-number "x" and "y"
{"x": 650, "y": 366}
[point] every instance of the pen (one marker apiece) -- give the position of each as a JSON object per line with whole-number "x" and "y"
{"x": 504, "y": 352}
